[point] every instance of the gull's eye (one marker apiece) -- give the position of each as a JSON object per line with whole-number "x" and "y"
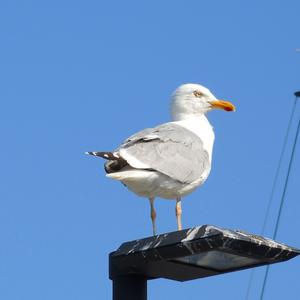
{"x": 198, "y": 94}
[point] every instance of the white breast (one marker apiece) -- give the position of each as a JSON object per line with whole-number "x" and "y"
{"x": 202, "y": 128}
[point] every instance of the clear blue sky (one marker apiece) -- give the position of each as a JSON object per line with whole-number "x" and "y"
{"x": 83, "y": 75}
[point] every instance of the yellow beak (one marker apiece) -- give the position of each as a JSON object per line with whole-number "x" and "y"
{"x": 221, "y": 104}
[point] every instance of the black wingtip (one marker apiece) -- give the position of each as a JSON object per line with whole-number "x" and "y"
{"x": 91, "y": 153}
{"x": 105, "y": 155}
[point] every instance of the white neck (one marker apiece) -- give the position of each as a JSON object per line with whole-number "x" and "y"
{"x": 180, "y": 116}
{"x": 202, "y": 128}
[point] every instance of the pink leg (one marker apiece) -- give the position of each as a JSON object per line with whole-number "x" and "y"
{"x": 153, "y": 215}
{"x": 178, "y": 211}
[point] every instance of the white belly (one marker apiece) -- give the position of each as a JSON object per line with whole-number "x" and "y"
{"x": 154, "y": 184}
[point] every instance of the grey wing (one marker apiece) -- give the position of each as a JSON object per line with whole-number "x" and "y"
{"x": 170, "y": 149}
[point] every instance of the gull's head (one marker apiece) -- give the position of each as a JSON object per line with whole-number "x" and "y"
{"x": 192, "y": 100}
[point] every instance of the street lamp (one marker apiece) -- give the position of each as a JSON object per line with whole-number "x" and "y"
{"x": 189, "y": 254}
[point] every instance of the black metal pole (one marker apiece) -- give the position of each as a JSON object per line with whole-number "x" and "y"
{"x": 130, "y": 288}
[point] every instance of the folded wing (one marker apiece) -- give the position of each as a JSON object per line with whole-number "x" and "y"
{"x": 170, "y": 149}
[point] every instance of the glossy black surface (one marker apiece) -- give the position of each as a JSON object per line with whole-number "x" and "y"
{"x": 194, "y": 253}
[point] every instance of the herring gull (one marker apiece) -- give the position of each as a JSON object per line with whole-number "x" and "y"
{"x": 172, "y": 159}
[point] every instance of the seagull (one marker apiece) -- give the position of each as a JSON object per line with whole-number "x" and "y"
{"x": 173, "y": 159}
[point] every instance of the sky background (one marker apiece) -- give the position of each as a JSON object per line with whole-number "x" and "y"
{"x": 79, "y": 76}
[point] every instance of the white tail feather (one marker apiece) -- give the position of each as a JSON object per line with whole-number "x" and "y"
{"x": 130, "y": 175}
